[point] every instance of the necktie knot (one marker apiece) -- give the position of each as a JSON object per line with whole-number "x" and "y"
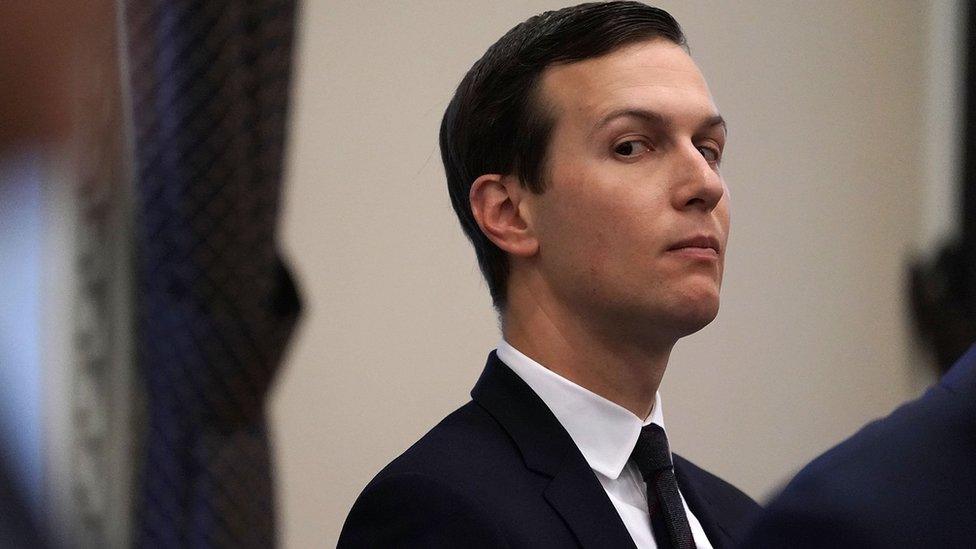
{"x": 651, "y": 453}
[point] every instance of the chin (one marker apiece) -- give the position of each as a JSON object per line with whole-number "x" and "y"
{"x": 675, "y": 320}
{"x": 694, "y": 322}
{"x": 695, "y": 312}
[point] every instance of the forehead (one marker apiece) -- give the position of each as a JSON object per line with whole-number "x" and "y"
{"x": 655, "y": 74}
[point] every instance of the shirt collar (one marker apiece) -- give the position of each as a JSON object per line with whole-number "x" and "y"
{"x": 604, "y": 431}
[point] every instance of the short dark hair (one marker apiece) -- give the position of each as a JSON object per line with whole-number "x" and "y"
{"x": 496, "y": 123}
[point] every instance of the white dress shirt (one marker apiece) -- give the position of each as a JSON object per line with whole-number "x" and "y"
{"x": 605, "y": 434}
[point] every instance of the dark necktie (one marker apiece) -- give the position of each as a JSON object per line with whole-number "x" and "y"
{"x": 668, "y": 520}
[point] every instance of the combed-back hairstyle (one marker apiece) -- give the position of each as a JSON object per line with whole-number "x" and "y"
{"x": 497, "y": 123}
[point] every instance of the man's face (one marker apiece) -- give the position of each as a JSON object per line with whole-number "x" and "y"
{"x": 634, "y": 220}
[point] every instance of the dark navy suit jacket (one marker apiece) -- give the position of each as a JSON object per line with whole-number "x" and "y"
{"x": 908, "y": 480}
{"x": 502, "y": 472}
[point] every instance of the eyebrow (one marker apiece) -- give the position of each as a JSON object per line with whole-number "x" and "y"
{"x": 656, "y": 119}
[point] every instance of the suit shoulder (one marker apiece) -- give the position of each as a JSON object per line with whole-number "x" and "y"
{"x": 928, "y": 434}
{"x": 429, "y": 496}
{"x": 411, "y": 509}
{"x": 857, "y": 491}
{"x": 462, "y": 443}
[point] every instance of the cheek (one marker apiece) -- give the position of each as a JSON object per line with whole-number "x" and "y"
{"x": 578, "y": 237}
{"x": 602, "y": 224}
{"x": 725, "y": 207}
{"x": 599, "y": 253}
{"x": 725, "y": 218}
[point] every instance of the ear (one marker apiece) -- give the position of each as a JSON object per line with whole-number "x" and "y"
{"x": 496, "y": 202}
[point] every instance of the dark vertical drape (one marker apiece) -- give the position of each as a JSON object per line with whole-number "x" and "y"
{"x": 216, "y": 305}
{"x": 944, "y": 291}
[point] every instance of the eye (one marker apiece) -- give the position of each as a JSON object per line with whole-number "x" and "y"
{"x": 631, "y": 149}
{"x": 711, "y": 154}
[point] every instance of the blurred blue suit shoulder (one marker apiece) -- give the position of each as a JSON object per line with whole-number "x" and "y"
{"x": 907, "y": 480}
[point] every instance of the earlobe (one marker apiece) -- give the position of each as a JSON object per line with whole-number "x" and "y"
{"x": 495, "y": 203}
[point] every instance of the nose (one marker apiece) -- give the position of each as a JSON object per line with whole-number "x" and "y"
{"x": 697, "y": 184}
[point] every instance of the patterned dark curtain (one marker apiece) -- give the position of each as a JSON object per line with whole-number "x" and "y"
{"x": 216, "y": 305}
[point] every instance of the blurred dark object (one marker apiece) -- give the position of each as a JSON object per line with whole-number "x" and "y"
{"x": 215, "y": 303}
{"x": 943, "y": 292}
{"x": 40, "y": 43}
{"x": 942, "y": 304}
{"x": 17, "y": 527}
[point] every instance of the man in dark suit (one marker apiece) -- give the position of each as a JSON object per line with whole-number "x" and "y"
{"x": 582, "y": 154}
{"x": 908, "y": 480}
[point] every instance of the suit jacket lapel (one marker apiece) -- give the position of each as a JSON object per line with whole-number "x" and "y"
{"x": 578, "y": 497}
{"x": 574, "y": 492}
{"x": 700, "y": 505}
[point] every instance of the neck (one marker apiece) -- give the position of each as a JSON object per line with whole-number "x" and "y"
{"x": 623, "y": 366}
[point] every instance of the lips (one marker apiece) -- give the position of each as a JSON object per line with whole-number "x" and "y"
{"x": 698, "y": 241}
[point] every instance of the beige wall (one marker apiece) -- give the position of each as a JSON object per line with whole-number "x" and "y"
{"x": 824, "y": 164}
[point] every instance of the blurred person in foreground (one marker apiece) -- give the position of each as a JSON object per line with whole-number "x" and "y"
{"x": 582, "y": 154}
{"x": 907, "y": 480}
{"x": 34, "y": 116}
